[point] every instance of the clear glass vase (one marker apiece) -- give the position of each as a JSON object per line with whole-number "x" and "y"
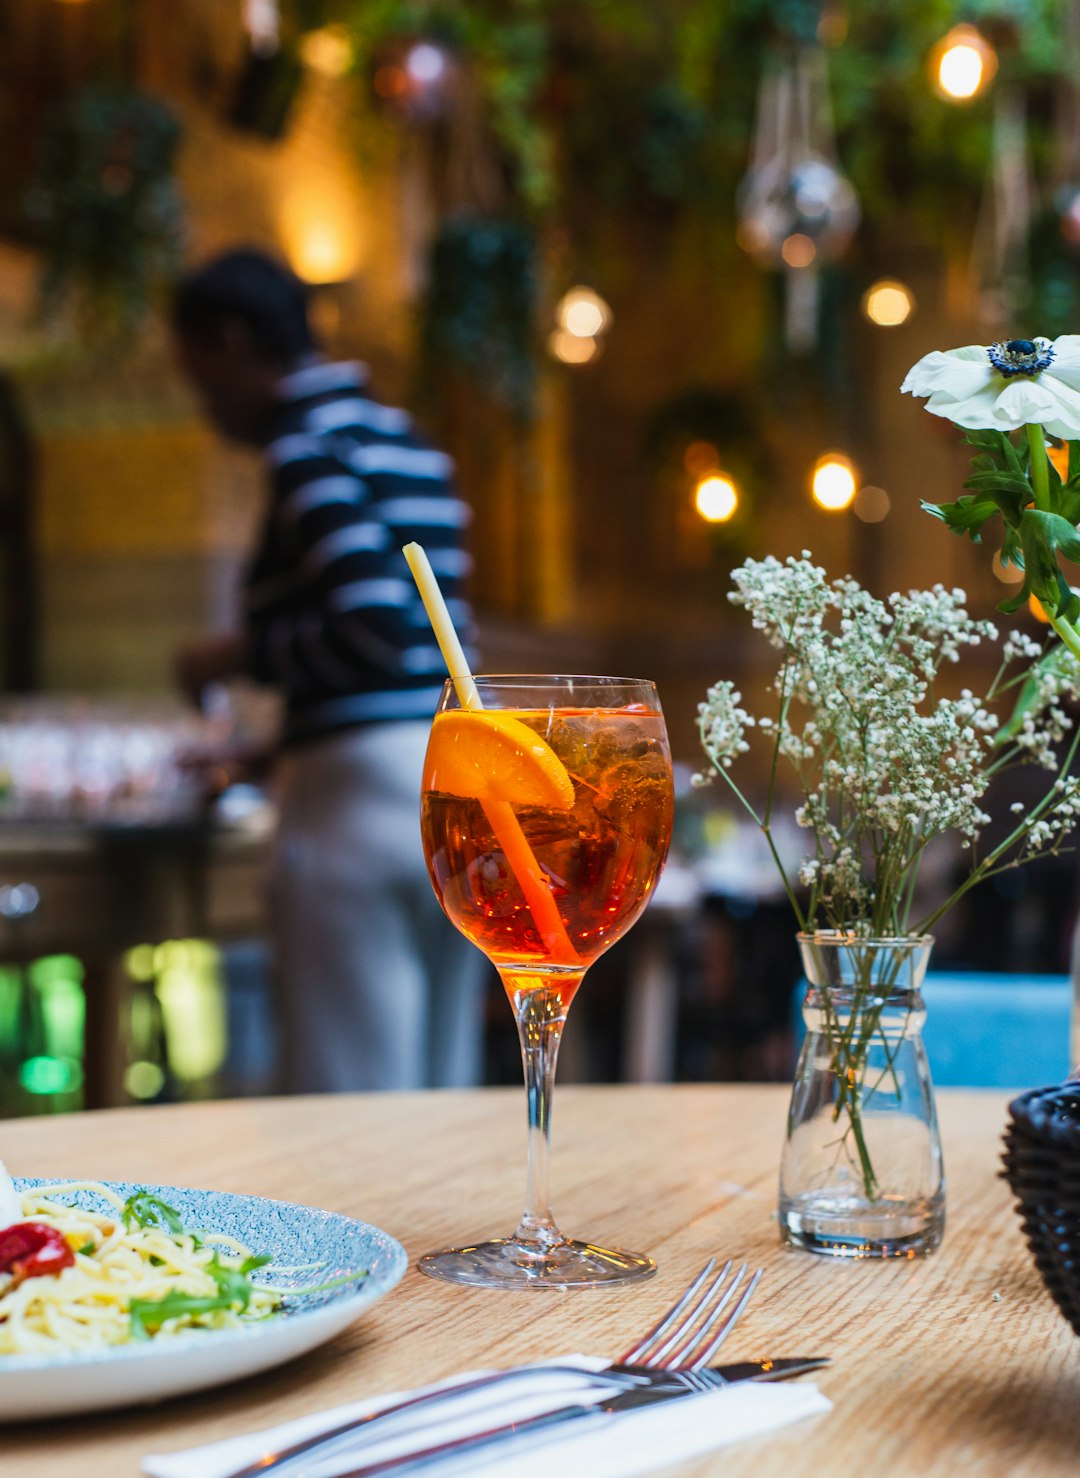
{"x": 862, "y": 1173}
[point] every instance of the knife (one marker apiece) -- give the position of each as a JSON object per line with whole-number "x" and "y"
{"x": 370, "y": 1430}
{"x": 668, "y": 1386}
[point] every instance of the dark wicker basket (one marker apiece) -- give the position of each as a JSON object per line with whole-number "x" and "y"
{"x": 1042, "y": 1166}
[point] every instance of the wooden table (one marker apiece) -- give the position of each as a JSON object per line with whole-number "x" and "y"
{"x": 953, "y": 1365}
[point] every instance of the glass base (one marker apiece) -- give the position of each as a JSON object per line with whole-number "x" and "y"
{"x": 508, "y": 1263}
{"x": 850, "y": 1226}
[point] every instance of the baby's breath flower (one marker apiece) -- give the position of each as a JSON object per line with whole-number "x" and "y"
{"x": 883, "y": 763}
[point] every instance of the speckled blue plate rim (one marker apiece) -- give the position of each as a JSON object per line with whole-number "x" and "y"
{"x": 338, "y": 1243}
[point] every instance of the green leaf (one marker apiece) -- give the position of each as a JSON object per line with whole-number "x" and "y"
{"x": 1050, "y": 661}
{"x": 1069, "y": 501}
{"x": 148, "y": 1314}
{"x": 1057, "y": 532}
{"x": 141, "y": 1209}
{"x": 1074, "y": 461}
{"x": 998, "y": 479}
{"x": 966, "y": 516}
{"x": 999, "y": 448}
{"x": 234, "y": 1292}
{"x": 1044, "y": 537}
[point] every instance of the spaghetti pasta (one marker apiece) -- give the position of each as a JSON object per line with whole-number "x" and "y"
{"x": 137, "y": 1274}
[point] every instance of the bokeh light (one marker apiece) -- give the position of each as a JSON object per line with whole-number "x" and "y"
{"x": 1008, "y": 574}
{"x": 962, "y": 63}
{"x": 716, "y": 497}
{"x": 319, "y": 233}
{"x": 425, "y": 63}
{"x": 872, "y": 504}
{"x": 1059, "y": 457}
{"x": 583, "y": 313}
{"x": 327, "y": 50}
{"x": 798, "y": 250}
{"x": 888, "y": 303}
{"x": 571, "y": 349}
{"x": 834, "y": 482}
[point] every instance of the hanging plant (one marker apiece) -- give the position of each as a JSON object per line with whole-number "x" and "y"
{"x": 106, "y": 208}
{"x": 480, "y": 307}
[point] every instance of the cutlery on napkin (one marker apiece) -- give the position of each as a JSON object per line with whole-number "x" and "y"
{"x": 631, "y": 1443}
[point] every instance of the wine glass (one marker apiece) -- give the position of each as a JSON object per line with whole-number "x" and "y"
{"x": 546, "y": 816}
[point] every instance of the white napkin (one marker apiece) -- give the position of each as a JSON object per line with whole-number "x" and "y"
{"x": 631, "y": 1443}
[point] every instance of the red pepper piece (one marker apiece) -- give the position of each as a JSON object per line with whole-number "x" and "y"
{"x": 30, "y": 1249}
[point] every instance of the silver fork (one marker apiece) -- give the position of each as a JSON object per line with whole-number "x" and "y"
{"x": 684, "y": 1339}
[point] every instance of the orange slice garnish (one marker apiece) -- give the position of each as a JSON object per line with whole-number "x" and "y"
{"x": 492, "y": 756}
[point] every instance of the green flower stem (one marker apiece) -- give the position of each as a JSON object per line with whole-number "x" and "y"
{"x": 1040, "y": 487}
{"x": 1068, "y": 632}
{"x": 1040, "y": 475}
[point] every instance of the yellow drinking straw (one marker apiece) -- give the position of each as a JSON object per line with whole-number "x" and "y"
{"x": 507, "y": 828}
{"x": 457, "y": 664}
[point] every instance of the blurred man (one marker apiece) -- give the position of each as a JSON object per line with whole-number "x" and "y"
{"x": 377, "y": 989}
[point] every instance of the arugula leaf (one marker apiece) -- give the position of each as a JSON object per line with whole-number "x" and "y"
{"x": 141, "y": 1209}
{"x": 148, "y": 1314}
{"x": 234, "y": 1292}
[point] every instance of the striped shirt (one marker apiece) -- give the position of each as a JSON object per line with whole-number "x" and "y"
{"x": 332, "y": 612}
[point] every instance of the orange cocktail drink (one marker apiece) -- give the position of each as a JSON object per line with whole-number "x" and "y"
{"x": 546, "y": 816}
{"x": 593, "y": 801}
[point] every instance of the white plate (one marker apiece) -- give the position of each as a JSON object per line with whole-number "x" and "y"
{"x": 34, "y": 1386}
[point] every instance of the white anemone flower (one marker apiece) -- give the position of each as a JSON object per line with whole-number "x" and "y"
{"x": 1004, "y": 386}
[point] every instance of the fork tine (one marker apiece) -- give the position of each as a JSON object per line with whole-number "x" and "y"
{"x": 678, "y": 1351}
{"x": 703, "y": 1358}
{"x": 635, "y": 1354}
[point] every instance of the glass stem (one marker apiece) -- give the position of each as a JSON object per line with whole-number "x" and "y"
{"x": 541, "y": 1014}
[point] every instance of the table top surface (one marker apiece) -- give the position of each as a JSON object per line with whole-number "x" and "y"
{"x": 955, "y": 1364}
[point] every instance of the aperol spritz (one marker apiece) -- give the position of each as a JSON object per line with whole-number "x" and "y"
{"x": 546, "y": 817}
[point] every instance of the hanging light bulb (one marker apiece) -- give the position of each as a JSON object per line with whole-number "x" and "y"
{"x": 716, "y": 497}
{"x": 962, "y": 63}
{"x": 888, "y": 303}
{"x": 834, "y": 482}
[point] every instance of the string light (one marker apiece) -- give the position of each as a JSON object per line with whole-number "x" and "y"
{"x": 834, "y": 482}
{"x": 888, "y": 303}
{"x": 962, "y": 63}
{"x": 716, "y": 497}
